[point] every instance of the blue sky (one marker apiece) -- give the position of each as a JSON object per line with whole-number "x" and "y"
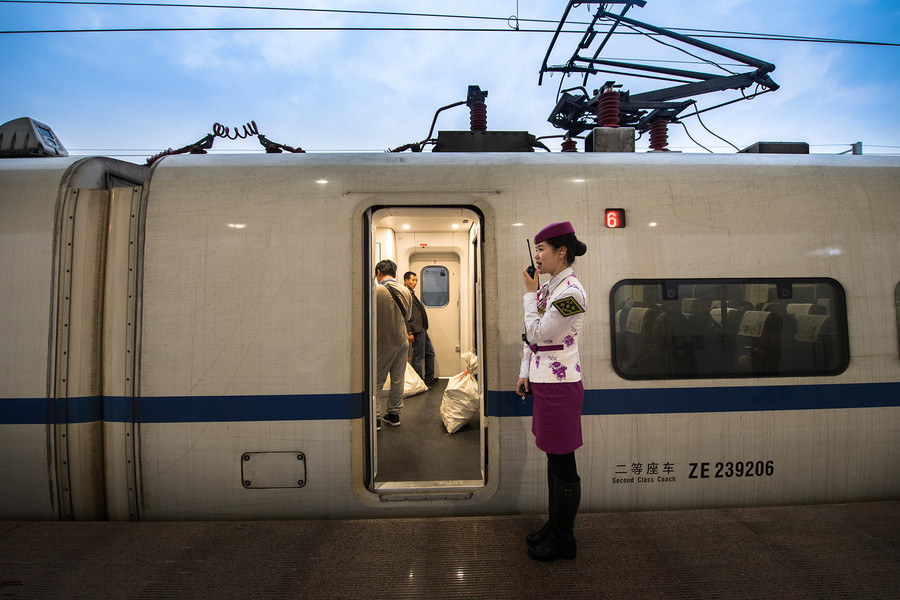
{"x": 133, "y": 94}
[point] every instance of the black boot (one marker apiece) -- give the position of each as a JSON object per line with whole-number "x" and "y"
{"x": 536, "y": 537}
{"x": 561, "y": 541}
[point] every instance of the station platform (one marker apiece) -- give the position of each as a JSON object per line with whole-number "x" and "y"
{"x": 828, "y": 551}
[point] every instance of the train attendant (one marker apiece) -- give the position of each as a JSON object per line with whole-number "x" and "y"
{"x": 551, "y": 371}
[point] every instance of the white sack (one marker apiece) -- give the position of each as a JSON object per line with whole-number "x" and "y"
{"x": 460, "y": 402}
{"x": 412, "y": 383}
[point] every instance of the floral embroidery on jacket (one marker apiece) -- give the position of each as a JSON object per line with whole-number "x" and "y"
{"x": 542, "y": 296}
{"x": 559, "y": 370}
{"x": 555, "y": 351}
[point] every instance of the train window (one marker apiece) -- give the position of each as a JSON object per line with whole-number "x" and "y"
{"x": 696, "y": 328}
{"x": 435, "y": 285}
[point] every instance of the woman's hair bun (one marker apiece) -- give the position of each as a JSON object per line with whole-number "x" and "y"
{"x": 580, "y": 248}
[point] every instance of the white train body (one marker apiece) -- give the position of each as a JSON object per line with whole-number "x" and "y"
{"x": 193, "y": 341}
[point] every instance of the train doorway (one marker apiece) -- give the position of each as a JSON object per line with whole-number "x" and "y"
{"x": 442, "y": 247}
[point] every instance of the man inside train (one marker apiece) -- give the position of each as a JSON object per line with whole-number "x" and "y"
{"x": 421, "y": 349}
{"x": 392, "y": 313}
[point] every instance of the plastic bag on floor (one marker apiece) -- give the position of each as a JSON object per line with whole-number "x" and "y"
{"x": 412, "y": 383}
{"x": 460, "y": 402}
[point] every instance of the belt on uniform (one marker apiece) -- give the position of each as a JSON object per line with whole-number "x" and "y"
{"x": 536, "y": 348}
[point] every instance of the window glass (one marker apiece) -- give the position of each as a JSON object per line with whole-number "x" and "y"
{"x": 689, "y": 328}
{"x": 435, "y": 285}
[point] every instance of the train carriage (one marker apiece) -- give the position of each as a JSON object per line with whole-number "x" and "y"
{"x": 194, "y": 340}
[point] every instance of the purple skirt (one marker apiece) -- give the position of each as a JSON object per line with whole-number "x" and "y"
{"x": 556, "y": 423}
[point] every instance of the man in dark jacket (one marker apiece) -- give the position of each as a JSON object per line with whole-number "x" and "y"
{"x": 421, "y": 350}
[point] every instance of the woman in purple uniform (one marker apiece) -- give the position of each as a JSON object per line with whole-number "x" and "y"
{"x": 551, "y": 370}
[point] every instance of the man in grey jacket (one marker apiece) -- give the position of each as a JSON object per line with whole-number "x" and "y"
{"x": 392, "y": 314}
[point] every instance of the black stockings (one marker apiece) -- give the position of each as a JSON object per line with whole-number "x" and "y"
{"x": 563, "y": 466}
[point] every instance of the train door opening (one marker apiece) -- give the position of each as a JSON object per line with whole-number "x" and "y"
{"x": 442, "y": 247}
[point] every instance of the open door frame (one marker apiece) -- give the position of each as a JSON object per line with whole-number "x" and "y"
{"x": 425, "y": 489}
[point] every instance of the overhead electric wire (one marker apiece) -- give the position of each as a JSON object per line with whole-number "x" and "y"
{"x": 700, "y": 33}
{"x": 715, "y": 134}
{"x": 232, "y": 29}
{"x": 779, "y": 36}
{"x": 269, "y": 8}
{"x": 742, "y": 98}
{"x": 425, "y": 29}
{"x": 692, "y": 137}
{"x": 673, "y": 46}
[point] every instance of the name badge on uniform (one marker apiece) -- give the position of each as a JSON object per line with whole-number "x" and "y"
{"x": 568, "y": 306}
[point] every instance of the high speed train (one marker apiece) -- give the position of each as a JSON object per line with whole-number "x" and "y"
{"x": 194, "y": 340}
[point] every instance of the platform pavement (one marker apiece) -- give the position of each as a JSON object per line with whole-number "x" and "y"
{"x": 828, "y": 551}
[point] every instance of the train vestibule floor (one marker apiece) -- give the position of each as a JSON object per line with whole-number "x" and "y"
{"x": 420, "y": 449}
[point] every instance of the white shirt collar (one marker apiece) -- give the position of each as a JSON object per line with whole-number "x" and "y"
{"x": 555, "y": 280}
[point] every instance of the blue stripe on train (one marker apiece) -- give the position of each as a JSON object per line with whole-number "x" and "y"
{"x": 713, "y": 399}
{"x": 187, "y": 409}
{"x": 309, "y": 407}
{"x": 181, "y": 409}
{"x": 39, "y": 411}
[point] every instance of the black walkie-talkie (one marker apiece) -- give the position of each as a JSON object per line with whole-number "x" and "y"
{"x": 531, "y": 270}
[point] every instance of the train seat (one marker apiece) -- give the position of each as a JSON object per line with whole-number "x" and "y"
{"x": 705, "y": 342}
{"x": 811, "y": 348}
{"x": 638, "y": 319}
{"x": 806, "y": 308}
{"x": 732, "y": 320}
{"x": 672, "y": 345}
{"x": 638, "y": 339}
{"x": 775, "y": 307}
{"x": 621, "y": 352}
{"x": 691, "y": 306}
{"x": 759, "y": 341}
{"x": 620, "y": 320}
{"x": 715, "y": 314}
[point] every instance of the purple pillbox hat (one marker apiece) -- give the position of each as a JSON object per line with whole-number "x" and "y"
{"x": 553, "y": 230}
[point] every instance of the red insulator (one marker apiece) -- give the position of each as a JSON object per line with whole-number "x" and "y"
{"x": 608, "y": 109}
{"x": 569, "y": 145}
{"x": 477, "y": 116}
{"x": 659, "y": 135}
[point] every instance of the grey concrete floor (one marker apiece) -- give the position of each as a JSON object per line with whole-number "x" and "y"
{"x": 830, "y": 551}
